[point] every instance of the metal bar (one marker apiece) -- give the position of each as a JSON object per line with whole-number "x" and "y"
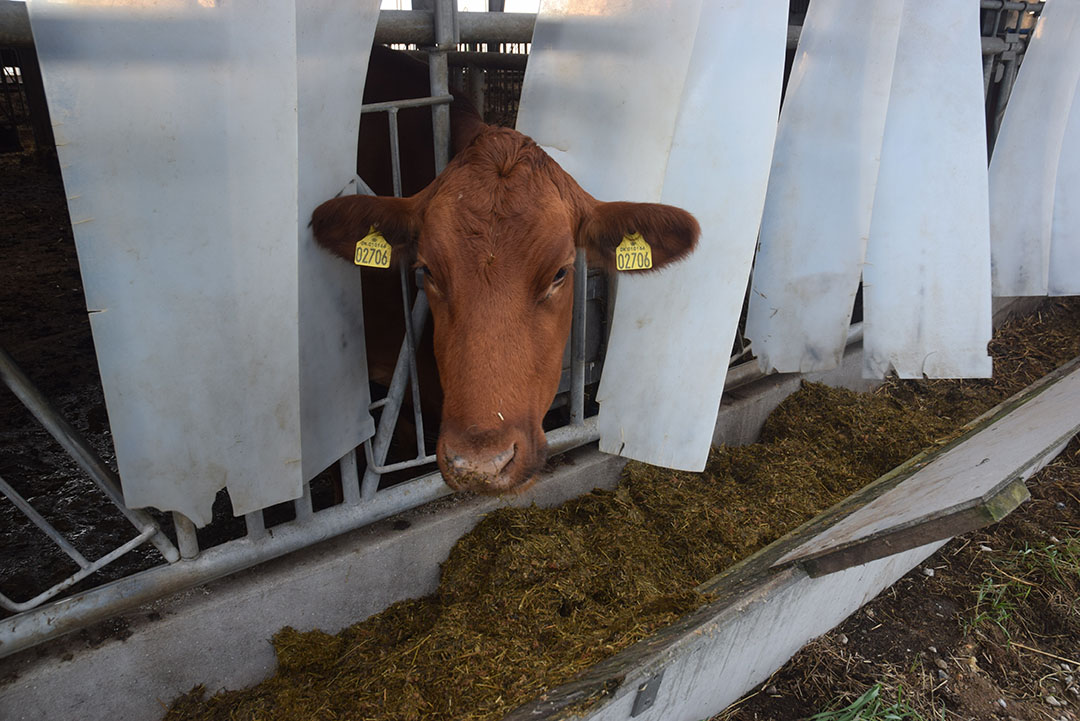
{"x": 414, "y": 376}
{"x": 417, "y": 27}
{"x": 395, "y": 152}
{"x": 439, "y": 76}
{"x": 66, "y": 435}
{"x": 304, "y": 509}
{"x": 40, "y": 522}
{"x": 401, "y": 466}
{"x": 350, "y": 478}
{"x": 394, "y": 395}
{"x": 82, "y": 573}
{"x": 69, "y": 614}
{"x": 443, "y": 99}
{"x": 577, "y": 341}
{"x": 1009, "y": 5}
{"x": 186, "y": 537}
{"x": 256, "y": 525}
{"x": 1004, "y": 92}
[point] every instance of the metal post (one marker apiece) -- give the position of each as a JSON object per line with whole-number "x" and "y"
{"x": 577, "y": 341}
{"x": 394, "y": 396}
{"x": 100, "y": 473}
{"x": 439, "y": 76}
{"x": 186, "y": 537}
{"x": 350, "y": 478}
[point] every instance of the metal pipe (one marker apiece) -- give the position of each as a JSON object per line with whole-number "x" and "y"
{"x": 186, "y": 537}
{"x": 392, "y": 467}
{"x": 66, "y": 435}
{"x": 445, "y": 40}
{"x": 255, "y": 524}
{"x": 39, "y": 521}
{"x": 394, "y": 396}
{"x": 70, "y": 614}
{"x": 577, "y": 341}
{"x": 387, "y": 105}
{"x": 414, "y": 376}
{"x": 350, "y": 478}
{"x": 82, "y": 573}
{"x": 395, "y": 151}
{"x": 304, "y": 509}
{"x": 417, "y": 27}
{"x": 1004, "y": 92}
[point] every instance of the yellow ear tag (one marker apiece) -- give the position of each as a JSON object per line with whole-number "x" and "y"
{"x": 633, "y": 253}
{"x": 372, "y": 250}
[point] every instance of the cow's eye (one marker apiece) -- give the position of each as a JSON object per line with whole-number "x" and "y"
{"x": 559, "y": 277}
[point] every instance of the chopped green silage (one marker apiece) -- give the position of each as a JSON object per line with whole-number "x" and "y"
{"x": 531, "y": 597}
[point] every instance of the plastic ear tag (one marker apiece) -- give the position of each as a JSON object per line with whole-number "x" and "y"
{"x": 372, "y": 250}
{"x": 633, "y": 253}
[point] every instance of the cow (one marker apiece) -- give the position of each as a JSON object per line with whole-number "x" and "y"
{"x": 495, "y": 236}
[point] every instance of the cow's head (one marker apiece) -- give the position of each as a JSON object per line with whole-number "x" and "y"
{"x": 495, "y": 235}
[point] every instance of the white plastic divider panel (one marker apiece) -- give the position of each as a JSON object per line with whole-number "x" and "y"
{"x": 926, "y": 281}
{"x": 177, "y": 132}
{"x": 333, "y": 39}
{"x": 673, "y": 330}
{"x": 602, "y": 94}
{"x": 1065, "y": 231}
{"x": 821, "y": 189}
{"x": 1024, "y": 163}
{"x": 635, "y": 102}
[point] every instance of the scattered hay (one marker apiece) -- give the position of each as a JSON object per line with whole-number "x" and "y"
{"x": 531, "y": 597}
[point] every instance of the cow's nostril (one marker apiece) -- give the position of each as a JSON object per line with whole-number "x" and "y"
{"x": 486, "y": 465}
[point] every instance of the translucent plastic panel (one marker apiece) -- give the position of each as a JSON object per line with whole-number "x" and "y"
{"x": 177, "y": 127}
{"x": 1065, "y": 232}
{"x": 602, "y": 95}
{"x": 673, "y": 331}
{"x": 1024, "y": 164}
{"x": 824, "y": 172}
{"x": 333, "y": 38}
{"x": 926, "y": 282}
{"x": 602, "y": 90}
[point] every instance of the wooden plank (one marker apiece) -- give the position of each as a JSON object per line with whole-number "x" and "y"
{"x": 975, "y": 480}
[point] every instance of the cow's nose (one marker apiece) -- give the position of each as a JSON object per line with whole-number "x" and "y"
{"x": 488, "y": 465}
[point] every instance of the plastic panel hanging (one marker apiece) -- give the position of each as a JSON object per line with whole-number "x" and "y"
{"x": 1024, "y": 165}
{"x": 1065, "y": 231}
{"x": 672, "y": 331}
{"x": 177, "y": 129}
{"x": 821, "y": 189}
{"x": 926, "y": 282}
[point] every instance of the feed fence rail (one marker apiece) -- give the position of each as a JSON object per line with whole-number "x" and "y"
{"x": 447, "y": 40}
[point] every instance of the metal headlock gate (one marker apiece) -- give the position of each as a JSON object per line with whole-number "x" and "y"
{"x": 440, "y": 33}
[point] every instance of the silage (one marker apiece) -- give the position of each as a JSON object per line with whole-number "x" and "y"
{"x": 533, "y": 596}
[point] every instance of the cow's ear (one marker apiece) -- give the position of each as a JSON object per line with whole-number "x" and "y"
{"x": 339, "y": 223}
{"x": 671, "y": 232}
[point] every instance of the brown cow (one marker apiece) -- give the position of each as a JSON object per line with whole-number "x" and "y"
{"x": 495, "y": 235}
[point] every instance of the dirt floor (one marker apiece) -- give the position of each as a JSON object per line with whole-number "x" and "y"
{"x": 987, "y": 628}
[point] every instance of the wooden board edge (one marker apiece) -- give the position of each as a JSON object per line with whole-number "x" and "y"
{"x": 917, "y": 533}
{"x": 908, "y": 468}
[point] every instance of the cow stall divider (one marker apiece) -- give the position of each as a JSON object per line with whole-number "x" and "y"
{"x": 364, "y": 502}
